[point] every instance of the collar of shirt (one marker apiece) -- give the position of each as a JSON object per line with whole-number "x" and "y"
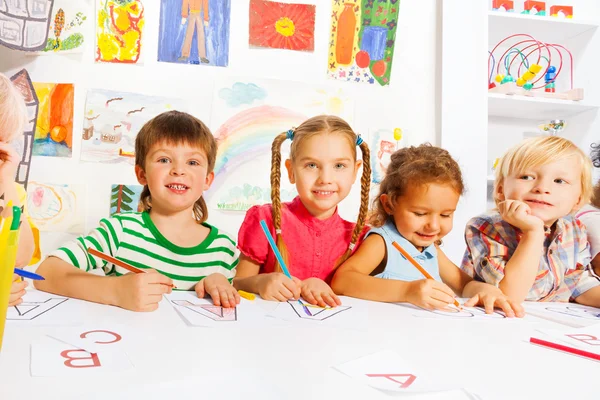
{"x": 297, "y": 208}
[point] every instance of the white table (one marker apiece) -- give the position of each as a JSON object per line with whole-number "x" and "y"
{"x": 171, "y": 359}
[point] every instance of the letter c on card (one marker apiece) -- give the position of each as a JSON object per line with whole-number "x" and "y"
{"x": 403, "y": 384}
{"x": 116, "y": 335}
{"x": 587, "y": 339}
{"x": 69, "y": 362}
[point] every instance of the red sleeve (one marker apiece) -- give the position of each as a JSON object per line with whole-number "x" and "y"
{"x": 251, "y": 239}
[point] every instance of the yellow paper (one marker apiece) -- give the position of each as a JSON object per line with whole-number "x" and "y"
{"x": 7, "y": 268}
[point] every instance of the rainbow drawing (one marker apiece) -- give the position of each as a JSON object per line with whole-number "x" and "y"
{"x": 250, "y": 133}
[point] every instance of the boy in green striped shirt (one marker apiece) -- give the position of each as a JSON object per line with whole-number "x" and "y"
{"x": 175, "y": 156}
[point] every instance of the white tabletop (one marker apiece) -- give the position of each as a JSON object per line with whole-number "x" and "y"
{"x": 492, "y": 359}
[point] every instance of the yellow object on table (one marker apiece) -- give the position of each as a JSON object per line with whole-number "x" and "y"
{"x": 9, "y": 240}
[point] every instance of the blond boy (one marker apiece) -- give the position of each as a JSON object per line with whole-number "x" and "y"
{"x": 532, "y": 247}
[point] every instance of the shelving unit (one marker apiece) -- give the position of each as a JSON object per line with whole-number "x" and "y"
{"x": 510, "y": 116}
{"x": 551, "y": 29}
{"x": 516, "y": 106}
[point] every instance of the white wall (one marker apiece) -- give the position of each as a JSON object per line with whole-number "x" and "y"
{"x": 409, "y": 102}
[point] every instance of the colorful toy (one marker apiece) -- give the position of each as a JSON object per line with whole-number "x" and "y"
{"x": 507, "y": 5}
{"x": 539, "y": 7}
{"x": 567, "y": 11}
{"x": 535, "y": 61}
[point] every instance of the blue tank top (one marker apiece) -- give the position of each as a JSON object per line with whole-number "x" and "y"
{"x": 398, "y": 267}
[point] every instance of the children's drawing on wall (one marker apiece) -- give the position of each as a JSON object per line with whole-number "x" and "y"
{"x": 125, "y": 198}
{"x": 194, "y": 32}
{"x": 383, "y": 143}
{"x": 24, "y": 144}
{"x": 54, "y": 129}
{"x": 246, "y": 117}
{"x": 57, "y": 208}
{"x": 282, "y": 25}
{"x": 112, "y": 120}
{"x": 24, "y": 24}
{"x": 362, "y": 39}
{"x": 68, "y": 26}
{"x": 119, "y": 31}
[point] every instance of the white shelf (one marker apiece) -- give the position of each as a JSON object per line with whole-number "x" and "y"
{"x": 537, "y": 108}
{"x": 547, "y": 29}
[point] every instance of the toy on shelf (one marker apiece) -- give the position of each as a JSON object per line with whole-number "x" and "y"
{"x": 567, "y": 11}
{"x": 538, "y": 67}
{"x": 534, "y": 8}
{"x": 506, "y": 5}
{"x": 554, "y": 127}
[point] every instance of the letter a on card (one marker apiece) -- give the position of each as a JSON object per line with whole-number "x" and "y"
{"x": 389, "y": 372}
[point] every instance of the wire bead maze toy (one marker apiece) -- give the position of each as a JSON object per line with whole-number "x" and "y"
{"x": 537, "y": 68}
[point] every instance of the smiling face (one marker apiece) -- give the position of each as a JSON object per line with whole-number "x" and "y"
{"x": 552, "y": 190}
{"x": 176, "y": 175}
{"x": 323, "y": 170}
{"x": 424, "y": 214}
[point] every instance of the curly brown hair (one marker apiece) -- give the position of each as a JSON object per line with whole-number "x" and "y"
{"x": 322, "y": 124}
{"x": 412, "y": 166}
{"x": 174, "y": 128}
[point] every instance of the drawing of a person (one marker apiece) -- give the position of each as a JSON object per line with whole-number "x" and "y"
{"x": 190, "y": 12}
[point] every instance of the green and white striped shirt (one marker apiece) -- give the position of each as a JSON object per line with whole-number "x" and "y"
{"x": 134, "y": 239}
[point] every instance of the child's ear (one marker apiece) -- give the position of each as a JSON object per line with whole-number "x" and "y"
{"x": 290, "y": 170}
{"x": 209, "y": 180}
{"x": 357, "y": 167}
{"x": 141, "y": 175}
{"x": 500, "y": 193}
{"x": 385, "y": 201}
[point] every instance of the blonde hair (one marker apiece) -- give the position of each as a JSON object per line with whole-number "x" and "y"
{"x": 319, "y": 125}
{"x": 412, "y": 166}
{"x": 174, "y": 128}
{"x": 542, "y": 150}
{"x": 13, "y": 112}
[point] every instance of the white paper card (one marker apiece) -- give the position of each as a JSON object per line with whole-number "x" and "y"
{"x": 52, "y": 358}
{"x": 387, "y": 371}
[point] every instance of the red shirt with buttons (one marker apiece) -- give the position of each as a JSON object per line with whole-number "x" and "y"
{"x": 313, "y": 245}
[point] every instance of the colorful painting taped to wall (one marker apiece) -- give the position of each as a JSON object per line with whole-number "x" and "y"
{"x": 119, "y": 31}
{"x": 112, "y": 121}
{"x": 194, "y": 32}
{"x": 24, "y": 24}
{"x": 362, "y": 39}
{"x": 68, "y": 26}
{"x": 57, "y": 208}
{"x": 246, "y": 117}
{"x": 24, "y": 143}
{"x": 125, "y": 198}
{"x": 383, "y": 143}
{"x": 54, "y": 129}
{"x": 282, "y": 25}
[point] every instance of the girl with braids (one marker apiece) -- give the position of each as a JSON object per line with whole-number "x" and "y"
{"x": 590, "y": 216}
{"x": 174, "y": 159}
{"x": 311, "y": 236}
{"x": 414, "y": 208}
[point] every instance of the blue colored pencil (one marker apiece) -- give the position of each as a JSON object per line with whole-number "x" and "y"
{"x": 286, "y": 272}
{"x": 27, "y": 274}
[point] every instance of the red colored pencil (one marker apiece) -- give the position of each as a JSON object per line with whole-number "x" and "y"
{"x": 118, "y": 262}
{"x": 417, "y": 266}
{"x": 568, "y": 349}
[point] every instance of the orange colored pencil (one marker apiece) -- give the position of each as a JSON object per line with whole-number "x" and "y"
{"x": 119, "y": 263}
{"x": 417, "y": 266}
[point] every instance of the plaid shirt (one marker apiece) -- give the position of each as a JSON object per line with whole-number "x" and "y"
{"x": 564, "y": 272}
